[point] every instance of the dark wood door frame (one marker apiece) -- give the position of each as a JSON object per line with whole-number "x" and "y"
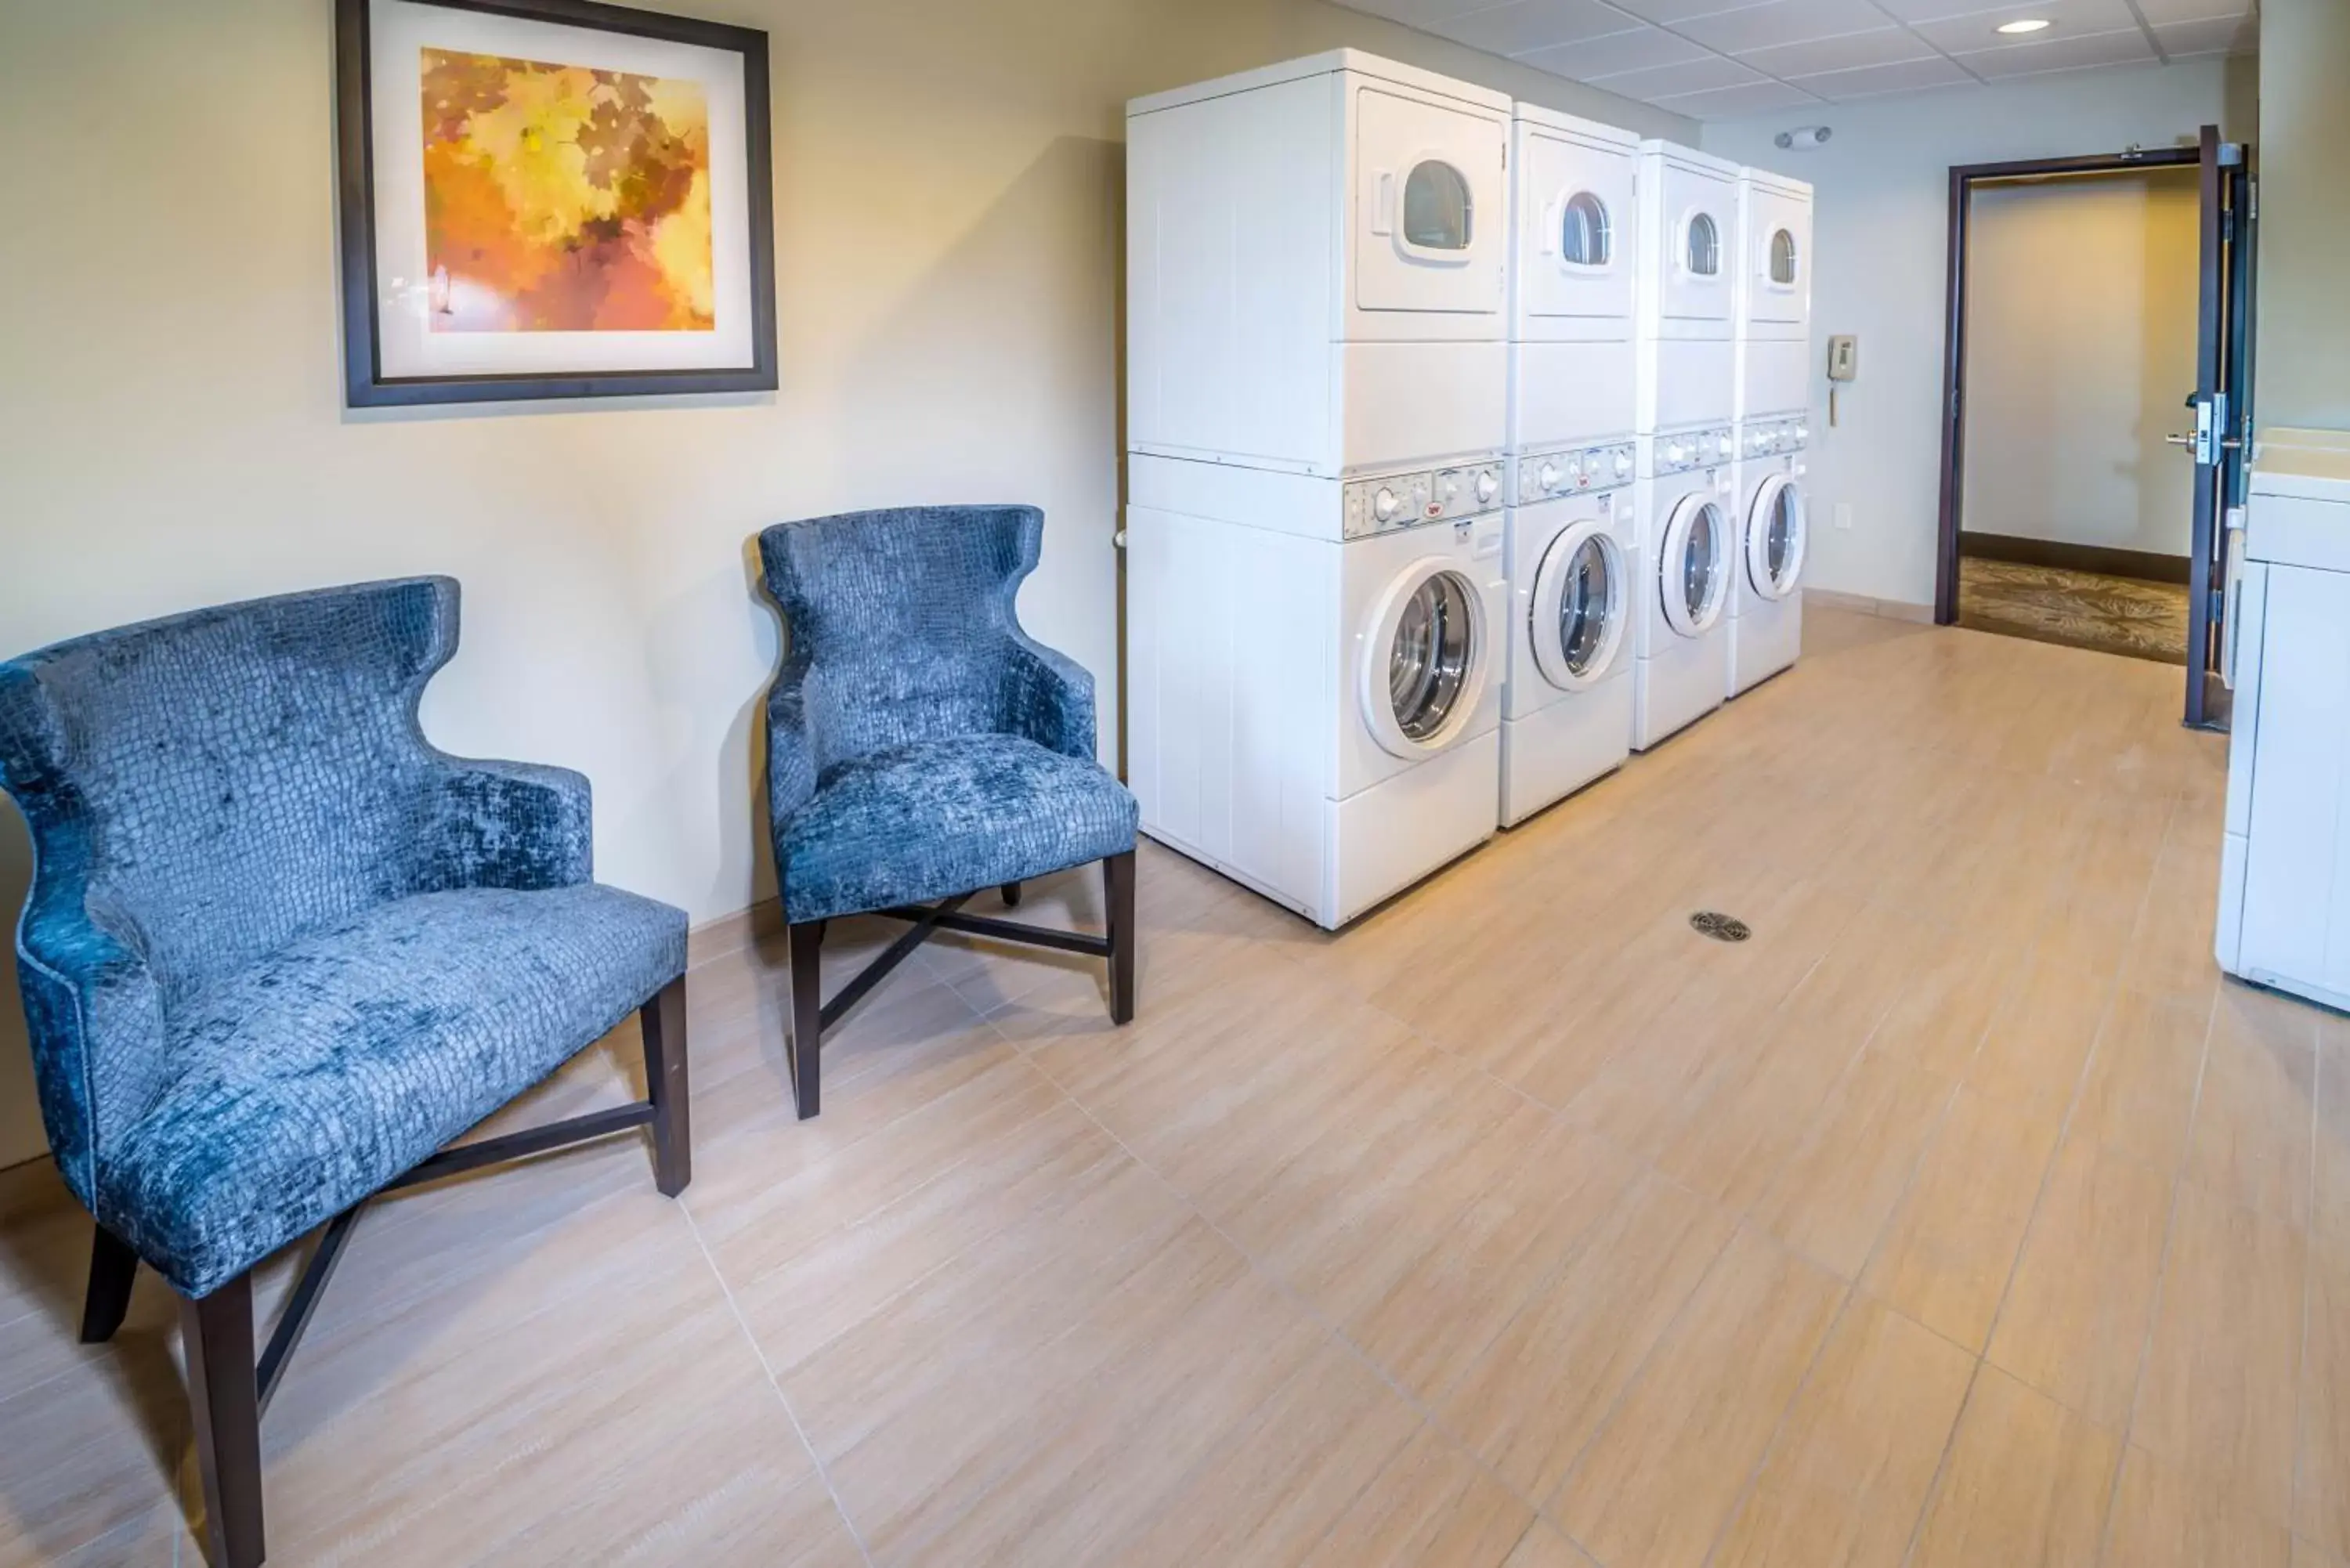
{"x": 1964, "y": 178}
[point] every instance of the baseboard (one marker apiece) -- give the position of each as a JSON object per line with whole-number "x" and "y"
{"x": 730, "y": 934}
{"x": 1860, "y": 604}
{"x": 2147, "y": 566}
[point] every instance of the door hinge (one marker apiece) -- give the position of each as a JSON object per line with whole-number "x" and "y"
{"x": 2231, "y": 154}
{"x": 2218, "y": 611}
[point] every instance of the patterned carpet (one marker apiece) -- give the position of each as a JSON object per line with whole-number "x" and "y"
{"x": 2079, "y": 609}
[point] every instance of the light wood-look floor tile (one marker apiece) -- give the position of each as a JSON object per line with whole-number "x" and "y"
{"x": 2025, "y": 1484}
{"x": 2222, "y": 1386}
{"x": 1361, "y": 1247}
{"x": 2075, "y": 1320}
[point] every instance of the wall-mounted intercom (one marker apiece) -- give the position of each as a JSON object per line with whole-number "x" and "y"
{"x": 1843, "y": 365}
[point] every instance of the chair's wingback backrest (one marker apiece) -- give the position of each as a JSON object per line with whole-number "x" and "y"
{"x": 234, "y": 777}
{"x": 900, "y": 622}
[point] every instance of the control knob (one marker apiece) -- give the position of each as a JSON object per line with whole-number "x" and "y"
{"x": 1723, "y": 444}
{"x": 1623, "y": 464}
{"x": 1384, "y": 503}
{"x": 1549, "y": 477}
{"x": 1488, "y": 486}
{"x": 1677, "y": 453}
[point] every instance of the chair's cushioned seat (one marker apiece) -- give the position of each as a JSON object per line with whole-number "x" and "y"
{"x": 934, "y": 819}
{"x": 304, "y": 1083}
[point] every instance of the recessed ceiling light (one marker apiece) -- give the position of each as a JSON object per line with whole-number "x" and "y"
{"x": 2029, "y": 24}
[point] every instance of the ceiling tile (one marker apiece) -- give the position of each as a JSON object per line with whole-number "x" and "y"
{"x": 1781, "y": 22}
{"x": 2067, "y": 19}
{"x": 1729, "y": 102}
{"x": 1853, "y": 50}
{"x": 1526, "y": 24}
{"x": 2062, "y": 54}
{"x": 1633, "y": 51}
{"x": 2162, "y": 11}
{"x": 1869, "y": 81}
{"x": 1674, "y": 12}
{"x": 1939, "y": 10}
{"x": 1690, "y": 76}
{"x": 2222, "y": 35}
{"x": 1424, "y": 13}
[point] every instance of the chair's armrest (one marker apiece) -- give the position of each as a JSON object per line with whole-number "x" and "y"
{"x": 96, "y": 1018}
{"x": 1049, "y": 698}
{"x": 791, "y": 757}
{"x": 504, "y": 824}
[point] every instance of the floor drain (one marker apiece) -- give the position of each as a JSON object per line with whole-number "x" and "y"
{"x": 1720, "y": 927}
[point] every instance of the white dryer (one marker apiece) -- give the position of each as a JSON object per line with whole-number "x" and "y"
{"x": 1574, "y": 548}
{"x": 1313, "y": 674}
{"x": 1317, "y": 269}
{"x": 1686, "y": 370}
{"x": 1774, "y": 520}
{"x": 1686, "y": 503}
{"x": 1575, "y": 265}
{"x": 1774, "y": 296}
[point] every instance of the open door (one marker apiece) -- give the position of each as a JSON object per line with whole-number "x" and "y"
{"x": 2221, "y": 441}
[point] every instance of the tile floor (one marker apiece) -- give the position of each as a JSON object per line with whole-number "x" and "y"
{"x": 1962, "y": 1215}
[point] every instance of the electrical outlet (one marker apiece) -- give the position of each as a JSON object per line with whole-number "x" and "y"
{"x": 1844, "y": 516}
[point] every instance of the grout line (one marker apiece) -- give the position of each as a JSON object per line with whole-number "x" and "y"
{"x": 2310, "y": 1265}
{"x": 783, "y": 1398}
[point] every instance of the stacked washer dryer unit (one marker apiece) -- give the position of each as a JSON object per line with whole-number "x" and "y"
{"x": 1317, "y": 407}
{"x": 1572, "y": 538}
{"x": 1774, "y": 359}
{"x": 1686, "y": 386}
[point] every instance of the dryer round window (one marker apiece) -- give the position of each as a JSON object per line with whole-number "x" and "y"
{"x": 1577, "y": 615}
{"x": 1703, "y": 254}
{"x": 1776, "y": 537}
{"x": 1689, "y": 566}
{"x": 1782, "y": 259}
{"x": 1586, "y": 238}
{"x": 1439, "y": 211}
{"x": 1424, "y": 659}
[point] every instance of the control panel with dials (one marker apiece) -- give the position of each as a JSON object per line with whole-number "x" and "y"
{"x": 1777, "y": 438}
{"x": 1401, "y": 500}
{"x": 1694, "y": 449}
{"x": 1546, "y": 476}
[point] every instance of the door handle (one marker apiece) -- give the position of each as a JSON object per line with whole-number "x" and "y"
{"x": 2187, "y": 440}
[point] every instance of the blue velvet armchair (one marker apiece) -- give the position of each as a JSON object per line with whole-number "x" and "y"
{"x": 279, "y": 952}
{"x": 921, "y": 748}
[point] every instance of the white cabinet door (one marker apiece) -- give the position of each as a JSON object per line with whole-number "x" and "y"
{"x": 1432, "y": 218}
{"x": 1696, "y": 249}
{"x": 1778, "y": 259}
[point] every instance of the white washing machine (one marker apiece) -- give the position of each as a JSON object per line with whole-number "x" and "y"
{"x": 1575, "y": 265}
{"x": 1572, "y": 541}
{"x": 1317, "y": 269}
{"x": 1313, "y": 674}
{"x": 1766, "y": 600}
{"x": 1686, "y": 501}
{"x": 1774, "y": 296}
{"x": 1685, "y": 305}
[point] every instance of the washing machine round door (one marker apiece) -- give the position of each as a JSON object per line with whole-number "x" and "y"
{"x": 1775, "y": 536}
{"x": 1692, "y": 568}
{"x": 1423, "y": 666}
{"x": 1577, "y": 619}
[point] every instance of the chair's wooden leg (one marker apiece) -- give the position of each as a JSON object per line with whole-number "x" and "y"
{"x": 662, "y": 1024}
{"x": 807, "y": 1016}
{"x": 113, "y": 1267}
{"x": 1011, "y": 895}
{"x": 224, "y": 1402}
{"x": 1118, "y": 879}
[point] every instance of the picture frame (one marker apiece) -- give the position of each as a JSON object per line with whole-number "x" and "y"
{"x": 551, "y": 199}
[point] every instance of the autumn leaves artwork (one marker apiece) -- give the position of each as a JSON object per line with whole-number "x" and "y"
{"x": 562, "y": 199}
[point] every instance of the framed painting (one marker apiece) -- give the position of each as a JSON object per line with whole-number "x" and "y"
{"x": 551, "y": 199}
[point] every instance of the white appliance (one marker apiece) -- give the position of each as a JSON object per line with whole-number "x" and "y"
{"x": 1687, "y": 529}
{"x": 1313, "y": 674}
{"x": 1686, "y": 364}
{"x": 1774, "y": 523}
{"x": 1317, "y": 269}
{"x": 1575, "y": 268}
{"x": 1774, "y": 296}
{"x": 1572, "y": 542}
{"x": 2284, "y": 881}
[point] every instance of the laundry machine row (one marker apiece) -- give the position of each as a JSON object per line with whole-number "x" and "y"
{"x": 1407, "y": 363}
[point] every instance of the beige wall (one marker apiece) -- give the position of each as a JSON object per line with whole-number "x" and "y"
{"x": 1882, "y": 223}
{"x": 2303, "y": 374}
{"x": 948, "y": 182}
{"x": 2081, "y": 302}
